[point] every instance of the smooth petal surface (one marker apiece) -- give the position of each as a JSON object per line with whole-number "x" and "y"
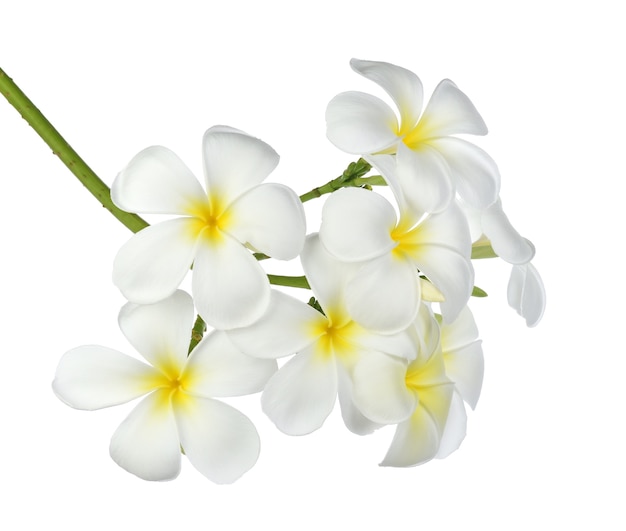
{"x": 300, "y": 396}
{"x": 526, "y": 293}
{"x": 360, "y": 123}
{"x": 230, "y": 288}
{"x": 450, "y": 112}
{"x": 152, "y": 264}
{"x": 465, "y": 366}
{"x": 156, "y": 181}
{"x": 384, "y": 294}
{"x": 356, "y": 225}
{"x": 474, "y": 172}
{"x": 379, "y": 389}
{"x": 404, "y": 87}
{"x": 270, "y": 217}
{"x": 219, "y": 441}
{"x": 287, "y": 327}
{"x": 352, "y": 417}
{"x": 460, "y": 333}
{"x": 234, "y": 162}
{"x": 455, "y": 429}
{"x": 160, "y": 332}
{"x": 505, "y": 240}
{"x": 217, "y": 368}
{"x": 146, "y": 443}
{"x": 424, "y": 177}
{"x": 93, "y": 377}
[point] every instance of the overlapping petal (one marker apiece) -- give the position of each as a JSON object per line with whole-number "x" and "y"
{"x": 352, "y": 416}
{"x": 152, "y": 264}
{"x": 526, "y": 293}
{"x": 156, "y": 181}
{"x": 235, "y": 162}
{"x": 218, "y": 440}
{"x": 270, "y": 218}
{"x": 507, "y": 243}
{"x": 455, "y": 428}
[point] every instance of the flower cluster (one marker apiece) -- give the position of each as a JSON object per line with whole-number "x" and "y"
{"x": 388, "y": 329}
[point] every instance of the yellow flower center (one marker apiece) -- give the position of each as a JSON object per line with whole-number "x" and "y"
{"x": 209, "y": 218}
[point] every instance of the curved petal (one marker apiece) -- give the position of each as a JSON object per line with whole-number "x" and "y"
{"x": 455, "y": 429}
{"x": 379, "y": 389}
{"x": 526, "y": 293}
{"x": 474, "y": 172}
{"x": 160, "y": 332}
{"x": 217, "y": 368}
{"x": 360, "y": 123}
{"x": 288, "y": 326}
{"x": 146, "y": 443}
{"x": 465, "y": 366}
{"x": 229, "y": 286}
{"x": 300, "y": 396}
{"x": 450, "y": 112}
{"x": 152, "y": 264}
{"x": 459, "y": 333}
{"x": 357, "y": 224}
{"x": 269, "y": 217}
{"x": 93, "y": 377}
{"x": 400, "y": 344}
{"x": 219, "y": 441}
{"x": 425, "y": 178}
{"x": 352, "y": 417}
{"x": 156, "y": 181}
{"x": 235, "y": 162}
{"x": 404, "y": 87}
{"x": 505, "y": 240}
{"x": 384, "y": 295}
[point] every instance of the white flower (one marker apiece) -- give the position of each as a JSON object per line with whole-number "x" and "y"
{"x": 230, "y": 288}
{"x": 179, "y": 410}
{"x": 526, "y": 293}
{"x": 301, "y": 395}
{"x": 424, "y": 396}
{"x": 431, "y": 163}
{"x": 360, "y": 226}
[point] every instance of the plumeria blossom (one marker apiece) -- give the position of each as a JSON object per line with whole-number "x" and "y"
{"x": 432, "y": 164}
{"x": 301, "y": 395}
{"x": 179, "y": 409}
{"x": 214, "y": 228}
{"x": 360, "y": 226}
{"x": 424, "y": 396}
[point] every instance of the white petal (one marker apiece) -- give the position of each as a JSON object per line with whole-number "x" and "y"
{"x": 356, "y": 225}
{"x": 217, "y": 368}
{"x": 234, "y": 162}
{"x": 219, "y": 441}
{"x": 384, "y": 295}
{"x": 465, "y": 366}
{"x": 424, "y": 177}
{"x": 146, "y": 443}
{"x": 152, "y": 264}
{"x": 400, "y": 344}
{"x": 404, "y": 87}
{"x": 474, "y": 172}
{"x": 93, "y": 377}
{"x": 300, "y": 396}
{"x": 156, "y": 181}
{"x": 360, "y": 123}
{"x": 352, "y": 417}
{"x": 379, "y": 388}
{"x": 455, "y": 429}
{"x": 229, "y": 286}
{"x": 287, "y": 327}
{"x": 507, "y": 243}
{"x": 269, "y": 217}
{"x": 160, "y": 332}
{"x": 526, "y": 293}
{"x": 450, "y": 112}
{"x": 459, "y": 333}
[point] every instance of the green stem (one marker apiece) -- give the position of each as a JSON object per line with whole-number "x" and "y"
{"x": 291, "y": 282}
{"x": 198, "y": 330}
{"x": 64, "y": 151}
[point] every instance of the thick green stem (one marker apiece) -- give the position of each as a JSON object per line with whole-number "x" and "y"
{"x": 291, "y": 282}
{"x": 64, "y": 151}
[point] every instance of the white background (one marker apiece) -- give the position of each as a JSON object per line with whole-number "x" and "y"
{"x": 545, "y": 447}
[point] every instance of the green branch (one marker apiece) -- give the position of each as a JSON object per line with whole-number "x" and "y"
{"x": 64, "y": 151}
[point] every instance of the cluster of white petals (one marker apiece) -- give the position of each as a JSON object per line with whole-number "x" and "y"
{"x": 388, "y": 332}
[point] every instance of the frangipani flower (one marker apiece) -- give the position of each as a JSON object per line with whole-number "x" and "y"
{"x": 360, "y": 226}
{"x": 179, "y": 410}
{"x": 424, "y": 396}
{"x": 301, "y": 395}
{"x": 230, "y": 288}
{"x": 432, "y": 164}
